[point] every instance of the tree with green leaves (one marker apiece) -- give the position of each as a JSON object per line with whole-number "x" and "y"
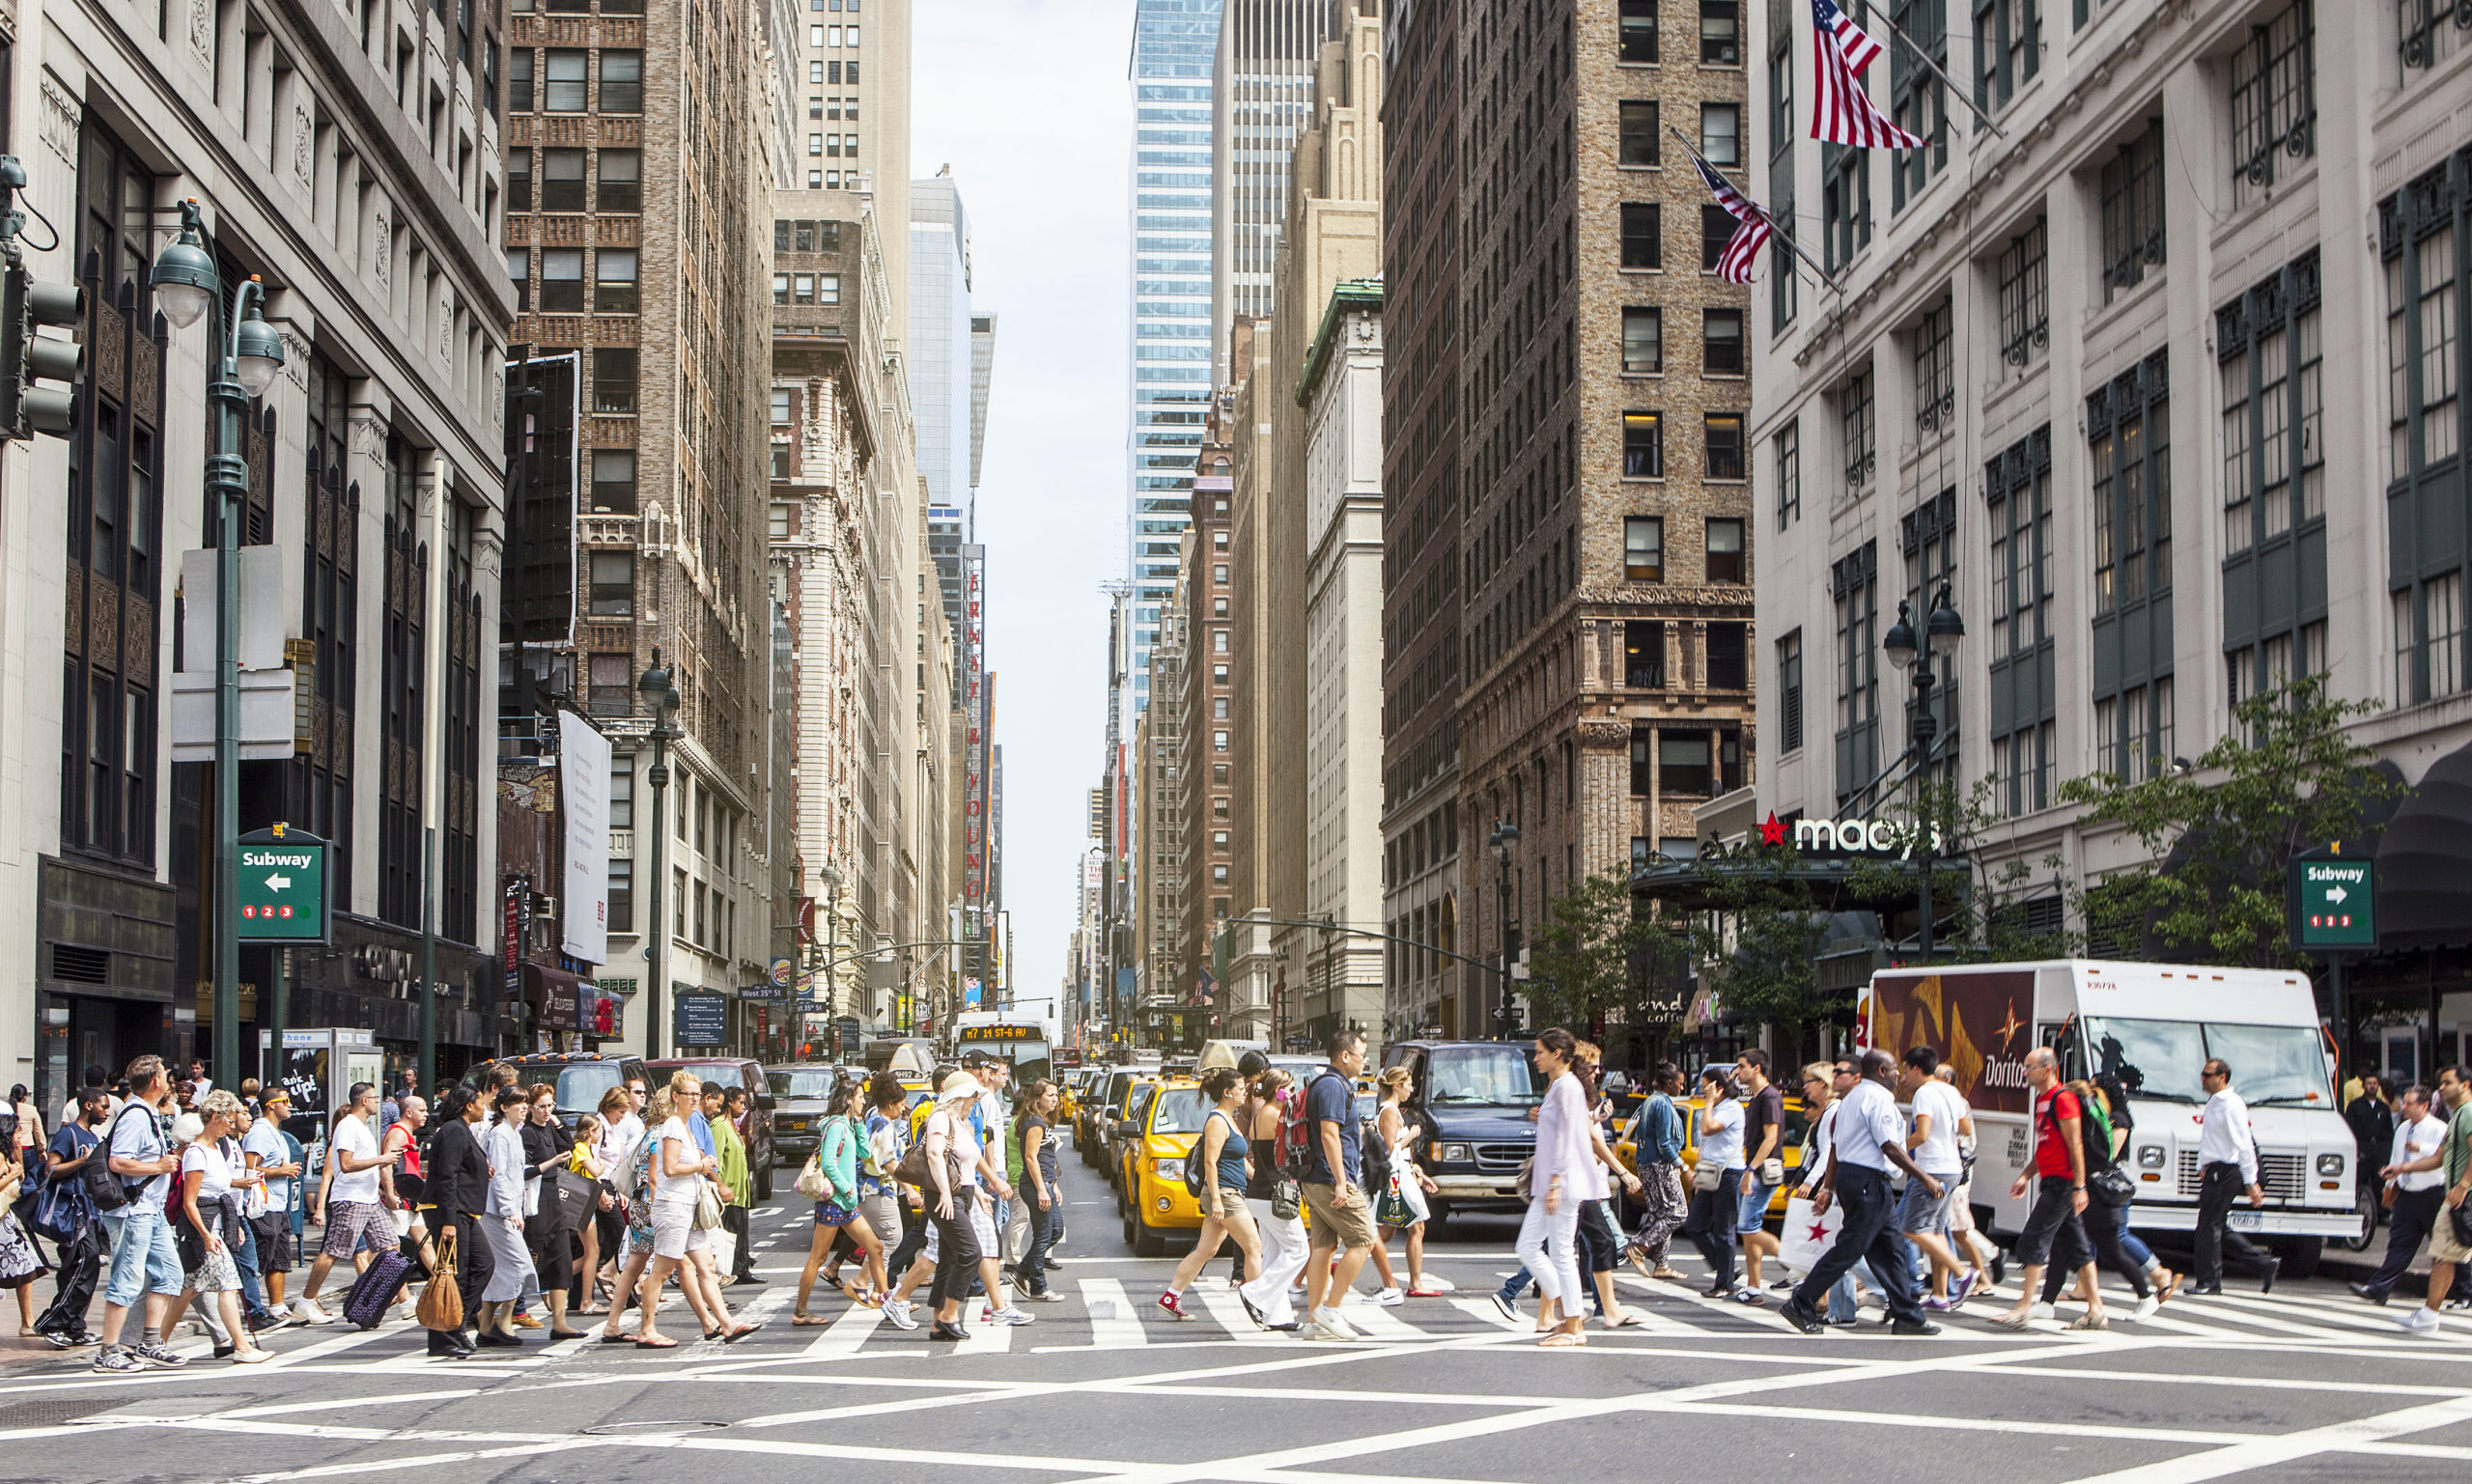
{"x": 2220, "y": 836}
{"x": 1579, "y": 960}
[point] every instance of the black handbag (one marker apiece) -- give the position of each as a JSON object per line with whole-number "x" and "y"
{"x": 2462, "y": 1217}
{"x": 2110, "y": 1187}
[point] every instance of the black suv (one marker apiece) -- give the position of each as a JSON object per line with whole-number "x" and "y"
{"x": 581, "y": 1078}
{"x": 736, "y": 1072}
{"x": 1475, "y": 1104}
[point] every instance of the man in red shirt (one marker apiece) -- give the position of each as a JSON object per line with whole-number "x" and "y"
{"x": 2055, "y": 1224}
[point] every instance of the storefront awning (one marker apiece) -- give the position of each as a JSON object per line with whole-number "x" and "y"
{"x": 2424, "y": 861}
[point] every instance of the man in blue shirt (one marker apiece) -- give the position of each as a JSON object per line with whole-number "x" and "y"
{"x": 1335, "y": 1190}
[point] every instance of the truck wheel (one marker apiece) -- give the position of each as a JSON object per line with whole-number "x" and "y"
{"x": 1437, "y": 1215}
{"x": 2300, "y": 1255}
{"x": 2365, "y": 1203}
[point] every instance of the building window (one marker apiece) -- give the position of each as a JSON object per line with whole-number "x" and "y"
{"x": 1725, "y": 549}
{"x": 1854, "y": 582}
{"x": 1643, "y": 341}
{"x": 1641, "y": 242}
{"x": 518, "y": 181}
{"x": 1644, "y": 654}
{"x": 1727, "y": 655}
{"x": 1788, "y": 444}
{"x": 613, "y": 379}
{"x": 1782, "y": 130}
{"x": 1716, "y": 229}
{"x": 519, "y": 271}
{"x": 1720, "y": 32}
{"x": 1918, "y": 101}
{"x": 622, "y": 82}
{"x": 780, "y": 406}
{"x": 614, "y": 289}
{"x": 1724, "y": 444}
{"x": 1935, "y": 374}
{"x": 2007, "y": 49}
{"x": 2422, "y": 230}
{"x": 565, "y": 92}
{"x": 611, "y": 683}
{"x": 2429, "y": 31}
{"x": 613, "y": 584}
{"x": 1854, "y": 417}
{"x": 2129, "y": 438}
{"x": 1639, "y": 138}
{"x": 1846, "y": 203}
{"x": 620, "y": 184}
{"x": 2132, "y": 189}
{"x": 562, "y": 180}
{"x": 1784, "y": 281}
{"x": 1639, "y": 33}
{"x": 562, "y": 280}
{"x": 827, "y": 288}
{"x": 613, "y": 481}
{"x": 1789, "y": 692}
{"x": 518, "y": 80}
{"x": 622, "y": 894}
{"x": 1643, "y": 445}
{"x": 1928, "y": 541}
{"x": 2025, "y": 295}
{"x": 1642, "y": 771}
{"x": 2274, "y": 99}
{"x": 621, "y": 785}
{"x": 2017, "y": 500}
{"x": 1721, "y": 342}
{"x": 1721, "y": 133}
{"x": 1643, "y": 549}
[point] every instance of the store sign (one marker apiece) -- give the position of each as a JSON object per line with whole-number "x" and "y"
{"x": 1899, "y": 839}
{"x": 2335, "y": 904}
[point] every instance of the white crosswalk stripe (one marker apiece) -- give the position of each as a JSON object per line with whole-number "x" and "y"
{"x": 1114, "y": 1323}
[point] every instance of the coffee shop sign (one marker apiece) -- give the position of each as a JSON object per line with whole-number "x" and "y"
{"x": 1898, "y": 838}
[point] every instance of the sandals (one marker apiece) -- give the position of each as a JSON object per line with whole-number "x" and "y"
{"x": 1667, "y": 1274}
{"x": 2011, "y": 1319}
{"x": 2091, "y": 1321}
{"x": 741, "y": 1332}
{"x": 1627, "y": 1322}
{"x": 1562, "y": 1340}
{"x": 609, "y": 1338}
{"x": 663, "y": 1343}
{"x": 803, "y": 1318}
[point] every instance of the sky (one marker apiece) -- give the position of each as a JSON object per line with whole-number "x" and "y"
{"x": 1029, "y": 102}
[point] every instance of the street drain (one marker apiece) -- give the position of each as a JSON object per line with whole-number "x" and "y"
{"x": 621, "y": 1429}
{"x": 54, "y": 1413}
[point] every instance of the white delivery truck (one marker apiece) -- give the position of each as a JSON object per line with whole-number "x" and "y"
{"x": 2152, "y": 1026}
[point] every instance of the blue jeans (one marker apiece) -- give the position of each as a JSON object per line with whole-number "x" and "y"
{"x": 244, "y": 1256}
{"x": 1033, "y": 1266}
{"x": 144, "y": 1258}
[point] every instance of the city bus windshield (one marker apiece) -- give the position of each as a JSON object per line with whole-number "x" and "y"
{"x": 2160, "y": 1059}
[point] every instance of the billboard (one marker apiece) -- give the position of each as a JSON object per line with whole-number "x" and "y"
{"x": 1982, "y": 1023}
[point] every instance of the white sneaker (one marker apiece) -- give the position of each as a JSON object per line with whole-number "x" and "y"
{"x": 308, "y": 1312}
{"x": 2146, "y": 1309}
{"x": 1390, "y": 1298}
{"x": 897, "y": 1314}
{"x": 1323, "y": 1334}
{"x": 2421, "y": 1320}
{"x": 2044, "y": 1311}
{"x": 1328, "y": 1319}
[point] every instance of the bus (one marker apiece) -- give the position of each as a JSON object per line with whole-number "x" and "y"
{"x": 1020, "y": 1040}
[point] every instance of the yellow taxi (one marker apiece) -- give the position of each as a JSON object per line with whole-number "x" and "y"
{"x": 1068, "y": 1101}
{"x": 1627, "y": 1147}
{"x": 1150, "y": 1178}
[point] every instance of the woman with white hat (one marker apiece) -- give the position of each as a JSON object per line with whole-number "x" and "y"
{"x": 953, "y": 1157}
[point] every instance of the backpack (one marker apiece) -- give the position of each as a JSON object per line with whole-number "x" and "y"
{"x": 105, "y": 1190}
{"x": 1196, "y": 1185}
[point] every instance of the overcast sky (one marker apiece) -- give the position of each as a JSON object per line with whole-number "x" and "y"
{"x": 1029, "y": 102}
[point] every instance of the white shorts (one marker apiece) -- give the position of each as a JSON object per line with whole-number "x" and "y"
{"x": 674, "y": 1230}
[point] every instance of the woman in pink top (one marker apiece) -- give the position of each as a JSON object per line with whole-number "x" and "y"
{"x": 1562, "y": 1175}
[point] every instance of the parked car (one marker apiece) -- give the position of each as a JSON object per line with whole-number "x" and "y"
{"x": 1102, "y": 1108}
{"x": 799, "y": 1107}
{"x": 1155, "y": 1143}
{"x": 1474, "y": 1102}
{"x": 761, "y": 1154}
{"x": 580, "y": 1077}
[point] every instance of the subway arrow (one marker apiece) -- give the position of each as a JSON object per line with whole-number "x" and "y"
{"x": 279, "y": 882}
{"x": 2336, "y": 893}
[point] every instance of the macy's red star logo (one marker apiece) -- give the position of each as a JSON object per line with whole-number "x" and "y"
{"x": 1819, "y": 1232}
{"x": 1773, "y": 833}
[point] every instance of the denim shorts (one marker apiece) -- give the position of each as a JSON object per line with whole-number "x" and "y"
{"x": 144, "y": 1257}
{"x": 1750, "y": 1211}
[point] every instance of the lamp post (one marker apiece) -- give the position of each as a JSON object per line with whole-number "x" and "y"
{"x": 1941, "y": 633}
{"x": 247, "y": 357}
{"x": 1505, "y": 836}
{"x": 662, "y": 698}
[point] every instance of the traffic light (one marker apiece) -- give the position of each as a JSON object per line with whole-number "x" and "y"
{"x": 28, "y": 359}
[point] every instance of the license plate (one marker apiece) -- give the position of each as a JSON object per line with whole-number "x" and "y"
{"x": 2248, "y": 1220}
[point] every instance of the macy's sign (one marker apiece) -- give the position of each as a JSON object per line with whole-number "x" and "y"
{"x": 1898, "y": 838}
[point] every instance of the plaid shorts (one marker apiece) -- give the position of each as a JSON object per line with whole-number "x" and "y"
{"x": 352, "y": 1225}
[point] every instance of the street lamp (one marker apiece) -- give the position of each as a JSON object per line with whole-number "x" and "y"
{"x": 187, "y": 287}
{"x": 1941, "y": 634}
{"x": 661, "y": 698}
{"x": 1503, "y": 837}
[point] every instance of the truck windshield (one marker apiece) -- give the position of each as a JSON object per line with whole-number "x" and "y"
{"x": 1498, "y": 1075}
{"x": 579, "y": 1087}
{"x": 802, "y": 1083}
{"x": 2160, "y": 1059}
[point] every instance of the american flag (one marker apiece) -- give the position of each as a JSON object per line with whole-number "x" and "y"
{"x": 1842, "y": 111}
{"x": 1733, "y": 264}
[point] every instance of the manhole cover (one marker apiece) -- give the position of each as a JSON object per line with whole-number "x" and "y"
{"x": 54, "y": 1413}
{"x": 622, "y": 1429}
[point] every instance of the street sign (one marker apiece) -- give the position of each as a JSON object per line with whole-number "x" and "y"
{"x": 282, "y": 886}
{"x": 703, "y": 1020}
{"x": 2335, "y": 903}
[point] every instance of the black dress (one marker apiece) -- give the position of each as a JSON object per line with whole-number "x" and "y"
{"x": 545, "y": 1231}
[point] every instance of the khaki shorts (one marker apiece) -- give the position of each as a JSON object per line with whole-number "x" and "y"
{"x": 1231, "y": 1206}
{"x": 2443, "y": 1247}
{"x": 1336, "y": 1224}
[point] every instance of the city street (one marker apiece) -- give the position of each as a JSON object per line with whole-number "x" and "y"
{"x": 1104, "y": 1388}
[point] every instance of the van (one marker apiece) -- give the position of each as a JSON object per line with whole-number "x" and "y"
{"x": 2150, "y": 1026}
{"x": 1475, "y": 1104}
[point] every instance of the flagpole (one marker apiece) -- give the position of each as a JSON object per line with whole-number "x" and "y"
{"x": 1796, "y": 248}
{"x": 1941, "y": 73}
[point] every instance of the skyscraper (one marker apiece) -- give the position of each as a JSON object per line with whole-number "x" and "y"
{"x": 1175, "y": 43}
{"x": 1262, "y": 95}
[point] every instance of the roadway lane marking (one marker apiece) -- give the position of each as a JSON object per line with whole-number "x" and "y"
{"x": 2254, "y": 1453}
{"x": 845, "y": 1334}
{"x": 1229, "y": 1311}
{"x": 1379, "y": 1322}
{"x": 1114, "y": 1323}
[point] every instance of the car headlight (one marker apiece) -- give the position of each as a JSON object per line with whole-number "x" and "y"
{"x": 2330, "y": 1164}
{"x": 2149, "y": 1157}
{"x": 1450, "y": 1153}
{"x": 1169, "y": 1169}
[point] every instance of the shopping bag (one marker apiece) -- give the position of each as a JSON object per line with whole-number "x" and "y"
{"x": 724, "y": 1249}
{"x": 1807, "y": 1238}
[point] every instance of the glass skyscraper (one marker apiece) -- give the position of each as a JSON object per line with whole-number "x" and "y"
{"x": 1174, "y": 43}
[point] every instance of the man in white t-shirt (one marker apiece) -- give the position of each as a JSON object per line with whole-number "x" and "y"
{"x": 270, "y": 1154}
{"x": 1931, "y": 1139}
{"x": 356, "y": 1219}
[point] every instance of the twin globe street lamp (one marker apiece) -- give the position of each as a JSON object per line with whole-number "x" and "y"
{"x": 1939, "y": 638}
{"x": 187, "y": 287}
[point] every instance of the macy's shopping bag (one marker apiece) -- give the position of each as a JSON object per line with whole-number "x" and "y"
{"x": 1807, "y": 1238}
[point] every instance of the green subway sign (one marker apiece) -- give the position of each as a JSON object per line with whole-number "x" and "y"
{"x": 2335, "y": 904}
{"x": 282, "y": 888}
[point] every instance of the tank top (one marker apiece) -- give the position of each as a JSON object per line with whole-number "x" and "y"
{"x": 410, "y": 1163}
{"x": 1263, "y": 1182}
{"x": 1232, "y": 1172}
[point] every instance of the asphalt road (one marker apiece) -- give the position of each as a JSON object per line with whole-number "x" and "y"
{"x": 2307, "y": 1385}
